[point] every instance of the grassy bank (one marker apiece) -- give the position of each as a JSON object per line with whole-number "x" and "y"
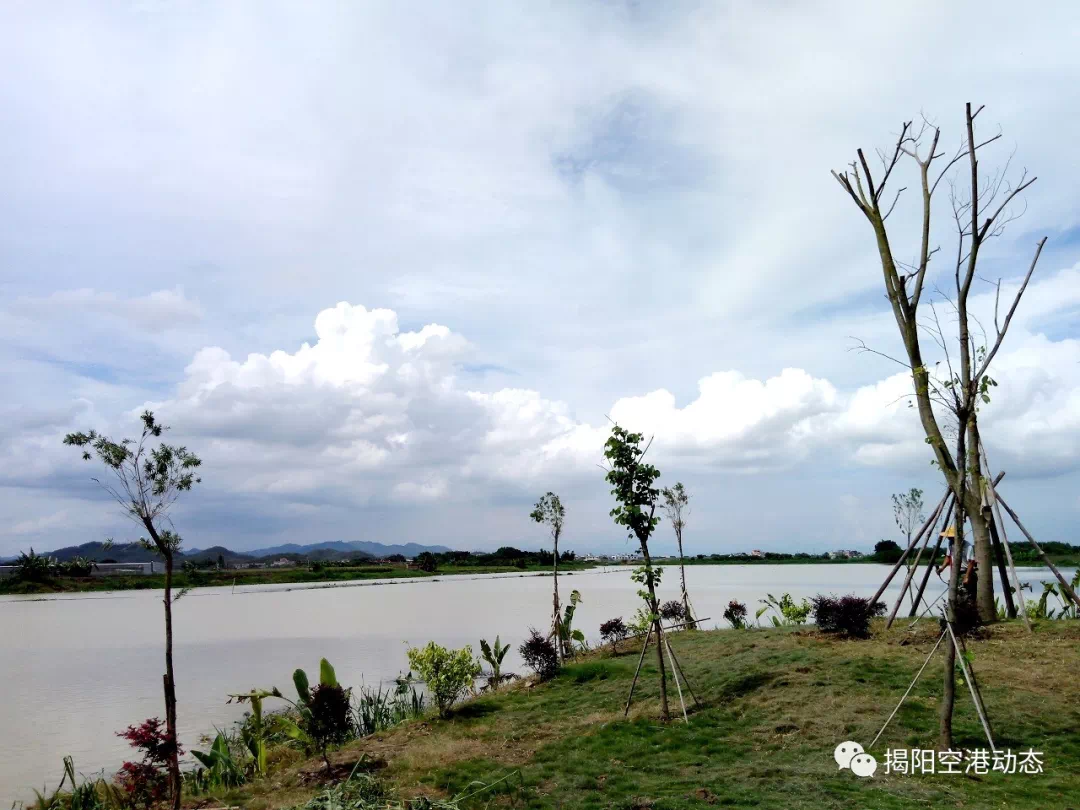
{"x": 261, "y": 576}
{"x": 775, "y": 703}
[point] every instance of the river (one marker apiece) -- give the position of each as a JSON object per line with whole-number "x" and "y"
{"x": 76, "y": 668}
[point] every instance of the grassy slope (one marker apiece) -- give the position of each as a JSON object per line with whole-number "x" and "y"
{"x": 261, "y": 576}
{"x": 775, "y": 704}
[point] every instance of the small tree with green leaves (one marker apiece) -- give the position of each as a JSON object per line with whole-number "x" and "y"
{"x": 550, "y": 512}
{"x": 448, "y": 674}
{"x": 632, "y": 483}
{"x": 147, "y": 477}
{"x": 676, "y": 506}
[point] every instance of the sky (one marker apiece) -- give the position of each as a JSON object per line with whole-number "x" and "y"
{"x": 391, "y": 268}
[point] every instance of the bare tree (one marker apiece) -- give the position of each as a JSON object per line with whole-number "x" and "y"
{"x": 676, "y": 505}
{"x": 550, "y": 512}
{"x": 981, "y": 209}
{"x": 146, "y": 483}
{"x": 908, "y": 515}
{"x": 907, "y": 511}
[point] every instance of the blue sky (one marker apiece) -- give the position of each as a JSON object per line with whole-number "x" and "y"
{"x": 536, "y": 217}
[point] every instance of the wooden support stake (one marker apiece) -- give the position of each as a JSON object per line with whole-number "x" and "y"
{"x": 992, "y": 496}
{"x": 637, "y": 671}
{"x": 686, "y": 680}
{"x": 1065, "y": 585}
{"x": 1002, "y": 566}
{"x": 675, "y": 675}
{"x": 970, "y": 678}
{"x": 926, "y": 577}
{"x": 915, "y": 542}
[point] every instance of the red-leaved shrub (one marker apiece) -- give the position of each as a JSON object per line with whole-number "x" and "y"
{"x": 146, "y": 782}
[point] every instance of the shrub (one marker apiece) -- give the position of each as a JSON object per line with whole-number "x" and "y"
{"x": 147, "y": 782}
{"x": 330, "y": 721}
{"x": 847, "y": 615}
{"x": 324, "y": 712}
{"x": 447, "y": 673}
{"x": 786, "y": 611}
{"x": 735, "y": 613}
{"x": 34, "y": 568}
{"x": 540, "y": 655}
{"x": 613, "y": 631}
{"x": 672, "y": 611}
{"x": 887, "y": 551}
{"x": 426, "y": 561}
{"x": 77, "y": 567}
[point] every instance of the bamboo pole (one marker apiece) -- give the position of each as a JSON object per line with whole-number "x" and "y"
{"x": 992, "y": 495}
{"x": 1003, "y": 568}
{"x": 1065, "y": 585}
{"x": 911, "y": 573}
{"x": 926, "y": 577}
{"x": 975, "y": 696}
{"x": 915, "y": 542}
{"x": 675, "y": 675}
{"x": 637, "y": 671}
{"x": 682, "y": 672}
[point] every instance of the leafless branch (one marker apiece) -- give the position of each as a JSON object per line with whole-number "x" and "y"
{"x": 1012, "y": 309}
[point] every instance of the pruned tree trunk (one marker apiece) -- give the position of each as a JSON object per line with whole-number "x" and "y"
{"x": 948, "y": 697}
{"x": 690, "y": 625}
{"x": 982, "y": 549}
{"x": 169, "y": 680}
{"x": 556, "y": 625}
{"x": 654, "y": 608}
{"x": 170, "y": 690}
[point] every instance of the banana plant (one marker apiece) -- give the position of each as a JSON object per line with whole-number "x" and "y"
{"x": 494, "y": 656}
{"x": 220, "y": 768}
{"x": 567, "y": 633}
{"x": 254, "y": 734}
{"x": 286, "y": 725}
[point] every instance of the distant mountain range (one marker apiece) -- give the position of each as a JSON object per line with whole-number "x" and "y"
{"x": 350, "y": 549}
{"x": 333, "y": 550}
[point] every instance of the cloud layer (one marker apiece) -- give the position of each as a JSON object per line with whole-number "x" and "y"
{"x": 615, "y": 210}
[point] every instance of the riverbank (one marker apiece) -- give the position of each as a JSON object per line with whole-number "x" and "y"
{"x": 264, "y": 576}
{"x": 775, "y": 703}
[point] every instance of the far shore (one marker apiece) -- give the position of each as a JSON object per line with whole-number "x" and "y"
{"x": 306, "y": 576}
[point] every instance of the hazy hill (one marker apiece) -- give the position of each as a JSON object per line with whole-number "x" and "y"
{"x": 133, "y": 552}
{"x": 350, "y": 549}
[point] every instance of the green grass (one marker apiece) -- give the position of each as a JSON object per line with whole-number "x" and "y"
{"x": 775, "y": 703}
{"x": 262, "y": 576}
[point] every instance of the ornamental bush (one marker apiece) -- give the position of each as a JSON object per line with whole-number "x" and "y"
{"x": 847, "y": 615}
{"x": 540, "y": 655}
{"x": 735, "y": 613}
{"x": 449, "y": 674}
{"x": 613, "y": 631}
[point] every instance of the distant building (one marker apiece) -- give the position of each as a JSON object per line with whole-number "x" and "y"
{"x": 281, "y": 563}
{"x": 757, "y": 552}
{"x": 844, "y": 554}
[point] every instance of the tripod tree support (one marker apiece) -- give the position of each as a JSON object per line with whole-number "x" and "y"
{"x": 675, "y": 675}
{"x": 991, "y": 493}
{"x": 637, "y": 671}
{"x": 913, "y": 568}
{"x": 932, "y": 520}
{"x": 969, "y": 676}
{"x": 1065, "y": 585}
